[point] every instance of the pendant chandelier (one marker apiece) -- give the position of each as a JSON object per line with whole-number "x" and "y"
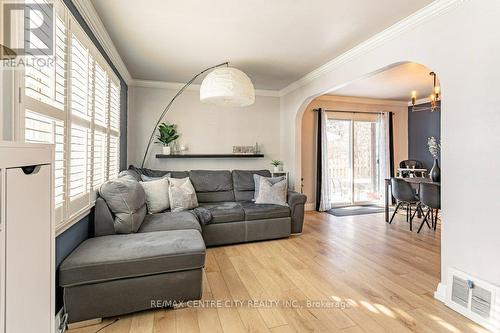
{"x": 434, "y": 98}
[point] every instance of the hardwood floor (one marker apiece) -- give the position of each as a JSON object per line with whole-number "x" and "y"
{"x": 383, "y": 275}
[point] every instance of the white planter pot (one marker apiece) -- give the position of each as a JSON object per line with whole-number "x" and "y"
{"x": 277, "y": 169}
{"x": 166, "y": 150}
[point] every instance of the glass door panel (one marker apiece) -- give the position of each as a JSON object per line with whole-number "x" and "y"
{"x": 340, "y": 160}
{"x": 365, "y": 174}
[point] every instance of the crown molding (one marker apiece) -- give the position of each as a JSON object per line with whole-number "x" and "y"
{"x": 435, "y": 8}
{"x": 192, "y": 87}
{"x": 360, "y": 100}
{"x": 93, "y": 20}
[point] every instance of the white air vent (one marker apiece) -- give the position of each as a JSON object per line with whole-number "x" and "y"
{"x": 476, "y": 299}
{"x": 481, "y": 302}
{"x": 460, "y": 292}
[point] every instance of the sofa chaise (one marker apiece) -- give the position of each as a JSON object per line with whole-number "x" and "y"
{"x": 112, "y": 274}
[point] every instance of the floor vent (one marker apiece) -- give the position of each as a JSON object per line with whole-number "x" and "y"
{"x": 476, "y": 299}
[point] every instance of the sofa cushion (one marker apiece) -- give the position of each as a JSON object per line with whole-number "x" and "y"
{"x": 169, "y": 221}
{"x": 225, "y": 211}
{"x": 212, "y": 186}
{"x": 255, "y": 211}
{"x": 127, "y": 201}
{"x": 244, "y": 184}
{"x": 116, "y": 257}
{"x": 158, "y": 173}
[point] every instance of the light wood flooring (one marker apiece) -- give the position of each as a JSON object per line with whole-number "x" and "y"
{"x": 385, "y": 273}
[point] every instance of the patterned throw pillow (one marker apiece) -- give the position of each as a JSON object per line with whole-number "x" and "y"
{"x": 256, "y": 179}
{"x": 270, "y": 193}
{"x": 157, "y": 198}
{"x": 181, "y": 194}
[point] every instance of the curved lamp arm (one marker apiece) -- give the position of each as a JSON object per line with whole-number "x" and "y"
{"x": 172, "y": 102}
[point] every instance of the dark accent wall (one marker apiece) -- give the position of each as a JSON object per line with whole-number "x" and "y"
{"x": 124, "y": 88}
{"x": 422, "y": 125}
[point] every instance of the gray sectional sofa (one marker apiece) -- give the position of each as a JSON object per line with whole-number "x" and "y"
{"x": 113, "y": 274}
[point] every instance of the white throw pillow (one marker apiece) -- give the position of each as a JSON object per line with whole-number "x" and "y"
{"x": 270, "y": 193}
{"x": 182, "y": 195}
{"x": 157, "y": 198}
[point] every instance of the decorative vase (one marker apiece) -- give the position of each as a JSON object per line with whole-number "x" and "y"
{"x": 436, "y": 172}
{"x": 166, "y": 150}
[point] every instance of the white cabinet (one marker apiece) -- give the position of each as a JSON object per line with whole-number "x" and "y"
{"x": 27, "y": 256}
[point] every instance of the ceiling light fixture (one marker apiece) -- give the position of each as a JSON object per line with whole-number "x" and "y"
{"x": 434, "y": 98}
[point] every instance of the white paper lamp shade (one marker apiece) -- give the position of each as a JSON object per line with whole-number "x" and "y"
{"x": 227, "y": 86}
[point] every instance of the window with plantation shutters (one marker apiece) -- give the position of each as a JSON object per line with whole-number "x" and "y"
{"x": 75, "y": 105}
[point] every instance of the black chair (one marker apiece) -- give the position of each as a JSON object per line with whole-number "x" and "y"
{"x": 405, "y": 196}
{"x": 430, "y": 197}
{"x": 410, "y": 164}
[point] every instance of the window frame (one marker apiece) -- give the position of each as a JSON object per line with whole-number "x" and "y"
{"x": 74, "y": 210}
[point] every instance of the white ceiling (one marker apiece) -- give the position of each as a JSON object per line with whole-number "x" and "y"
{"x": 274, "y": 41}
{"x": 395, "y": 83}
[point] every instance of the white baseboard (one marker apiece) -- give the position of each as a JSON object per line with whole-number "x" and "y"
{"x": 310, "y": 207}
{"x": 440, "y": 293}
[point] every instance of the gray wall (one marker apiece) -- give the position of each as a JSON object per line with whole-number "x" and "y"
{"x": 422, "y": 125}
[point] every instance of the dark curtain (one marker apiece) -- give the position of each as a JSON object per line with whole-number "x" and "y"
{"x": 391, "y": 144}
{"x": 319, "y": 158}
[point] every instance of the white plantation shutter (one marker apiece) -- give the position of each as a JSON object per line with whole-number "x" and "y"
{"x": 114, "y": 156}
{"x": 114, "y": 109}
{"x": 100, "y": 96}
{"x": 46, "y": 84}
{"x": 114, "y": 127}
{"x": 81, "y": 80}
{"x": 79, "y": 161}
{"x": 100, "y": 158}
{"x": 82, "y": 114}
{"x": 74, "y": 104}
{"x": 43, "y": 129}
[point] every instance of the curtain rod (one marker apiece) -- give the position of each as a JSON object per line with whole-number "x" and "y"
{"x": 380, "y": 112}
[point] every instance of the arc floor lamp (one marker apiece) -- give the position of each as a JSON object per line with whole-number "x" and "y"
{"x": 224, "y": 86}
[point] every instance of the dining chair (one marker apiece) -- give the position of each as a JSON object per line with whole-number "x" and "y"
{"x": 406, "y": 197}
{"x": 430, "y": 197}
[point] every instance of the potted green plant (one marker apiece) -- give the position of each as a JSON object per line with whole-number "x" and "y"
{"x": 277, "y": 165}
{"x": 167, "y": 134}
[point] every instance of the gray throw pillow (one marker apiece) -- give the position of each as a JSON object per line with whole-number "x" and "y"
{"x": 270, "y": 193}
{"x": 256, "y": 179}
{"x": 145, "y": 178}
{"x": 126, "y": 199}
{"x": 156, "y": 195}
{"x": 181, "y": 194}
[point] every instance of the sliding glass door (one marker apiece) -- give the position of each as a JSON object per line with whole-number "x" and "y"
{"x": 353, "y": 156}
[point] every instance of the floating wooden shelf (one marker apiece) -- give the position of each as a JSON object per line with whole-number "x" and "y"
{"x": 210, "y": 156}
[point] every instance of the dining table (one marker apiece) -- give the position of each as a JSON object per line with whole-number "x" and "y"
{"x": 411, "y": 180}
